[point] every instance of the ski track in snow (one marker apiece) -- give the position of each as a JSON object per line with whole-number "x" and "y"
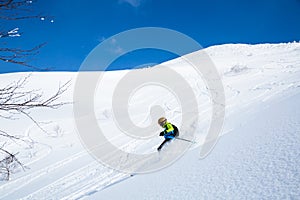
{"x": 251, "y": 75}
{"x": 259, "y": 160}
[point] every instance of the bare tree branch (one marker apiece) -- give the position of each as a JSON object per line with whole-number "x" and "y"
{"x": 20, "y": 56}
{"x": 15, "y": 99}
{"x": 14, "y": 4}
{"x": 6, "y": 164}
{"x": 18, "y": 10}
{"x": 5, "y": 3}
{"x": 12, "y": 98}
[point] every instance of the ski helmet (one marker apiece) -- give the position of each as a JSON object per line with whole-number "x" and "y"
{"x": 162, "y": 121}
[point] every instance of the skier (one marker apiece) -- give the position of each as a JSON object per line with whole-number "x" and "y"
{"x": 170, "y": 132}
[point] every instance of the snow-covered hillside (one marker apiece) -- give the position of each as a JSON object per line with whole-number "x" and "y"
{"x": 257, "y": 155}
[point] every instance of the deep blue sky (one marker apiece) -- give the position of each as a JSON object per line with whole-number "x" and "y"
{"x": 79, "y": 25}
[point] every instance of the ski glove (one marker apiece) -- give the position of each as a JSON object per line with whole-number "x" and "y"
{"x": 162, "y": 133}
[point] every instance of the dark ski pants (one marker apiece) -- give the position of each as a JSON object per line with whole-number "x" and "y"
{"x": 164, "y": 142}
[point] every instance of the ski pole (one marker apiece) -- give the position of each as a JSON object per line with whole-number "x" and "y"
{"x": 186, "y": 140}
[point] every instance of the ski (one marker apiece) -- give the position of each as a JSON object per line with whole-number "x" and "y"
{"x": 186, "y": 140}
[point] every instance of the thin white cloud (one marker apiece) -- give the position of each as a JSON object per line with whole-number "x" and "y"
{"x": 101, "y": 39}
{"x": 133, "y": 3}
{"x": 118, "y": 50}
{"x": 113, "y": 41}
{"x": 115, "y": 48}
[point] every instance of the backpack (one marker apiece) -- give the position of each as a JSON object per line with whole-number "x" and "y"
{"x": 176, "y": 131}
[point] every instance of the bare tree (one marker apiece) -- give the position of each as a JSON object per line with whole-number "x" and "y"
{"x": 8, "y": 164}
{"x": 15, "y": 99}
{"x": 12, "y": 10}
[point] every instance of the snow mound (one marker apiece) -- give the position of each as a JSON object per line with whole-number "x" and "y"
{"x": 237, "y": 70}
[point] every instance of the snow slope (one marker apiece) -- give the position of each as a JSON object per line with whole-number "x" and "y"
{"x": 256, "y": 160}
{"x": 257, "y": 156}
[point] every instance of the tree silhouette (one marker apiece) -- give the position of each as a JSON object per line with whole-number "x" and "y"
{"x": 15, "y": 99}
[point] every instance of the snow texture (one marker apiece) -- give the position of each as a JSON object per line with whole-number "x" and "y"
{"x": 257, "y": 156}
